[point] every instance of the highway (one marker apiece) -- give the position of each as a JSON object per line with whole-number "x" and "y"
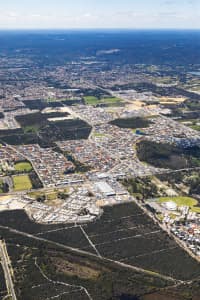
{"x": 7, "y": 270}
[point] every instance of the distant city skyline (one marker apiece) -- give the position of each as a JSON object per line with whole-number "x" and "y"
{"x": 132, "y": 14}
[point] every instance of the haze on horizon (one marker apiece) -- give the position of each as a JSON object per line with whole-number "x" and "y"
{"x": 134, "y": 14}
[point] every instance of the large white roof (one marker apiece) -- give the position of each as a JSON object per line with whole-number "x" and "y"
{"x": 170, "y": 205}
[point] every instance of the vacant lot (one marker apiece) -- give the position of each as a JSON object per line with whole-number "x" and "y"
{"x": 22, "y": 182}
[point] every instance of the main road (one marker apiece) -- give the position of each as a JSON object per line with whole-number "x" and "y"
{"x": 7, "y": 270}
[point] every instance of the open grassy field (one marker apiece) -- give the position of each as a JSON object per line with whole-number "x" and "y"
{"x": 111, "y": 100}
{"x": 182, "y": 201}
{"x": 192, "y": 123}
{"x": 99, "y": 135}
{"x": 23, "y": 166}
{"x": 52, "y": 196}
{"x": 49, "y": 195}
{"x": 31, "y": 129}
{"x": 92, "y": 100}
{"x": 53, "y": 100}
{"x": 195, "y": 209}
{"x": 22, "y": 182}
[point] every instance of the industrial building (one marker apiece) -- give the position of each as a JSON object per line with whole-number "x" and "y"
{"x": 105, "y": 188}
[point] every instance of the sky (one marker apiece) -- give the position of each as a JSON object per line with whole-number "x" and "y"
{"x": 134, "y": 14}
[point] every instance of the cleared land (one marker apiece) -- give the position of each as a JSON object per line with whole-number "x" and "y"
{"x": 172, "y": 100}
{"x": 22, "y": 182}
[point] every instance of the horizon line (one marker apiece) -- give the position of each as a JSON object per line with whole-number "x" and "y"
{"x": 100, "y": 29}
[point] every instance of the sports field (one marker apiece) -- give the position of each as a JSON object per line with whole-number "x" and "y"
{"x": 92, "y": 100}
{"x": 111, "y": 100}
{"x": 23, "y": 167}
{"x": 182, "y": 201}
{"x": 21, "y": 183}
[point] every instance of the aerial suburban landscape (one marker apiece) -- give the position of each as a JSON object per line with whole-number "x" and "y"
{"x": 99, "y": 164}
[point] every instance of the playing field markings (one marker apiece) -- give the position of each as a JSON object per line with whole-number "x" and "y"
{"x": 90, "y": 242}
